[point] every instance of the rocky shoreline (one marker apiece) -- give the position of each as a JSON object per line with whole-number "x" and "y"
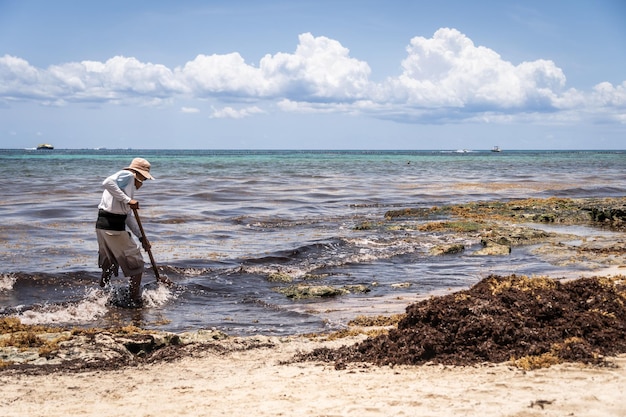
{"x": 603, "y": 212}
{"x": 420, "y": 336}
{"x": 39, "y": 350}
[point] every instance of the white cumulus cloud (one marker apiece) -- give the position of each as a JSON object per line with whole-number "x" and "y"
{"x": 445, "y": 77}
{"x": 232, "y": 113}
{"x": 118, "y": 77}
{"x": 448, "y": 70}
{"x": 217, "y": 75}
{"x": 320, "y": 68}
{"x": 19, "y": 80}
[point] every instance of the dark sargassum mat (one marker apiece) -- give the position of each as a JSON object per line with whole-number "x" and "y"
{"x": 501, "y": 319}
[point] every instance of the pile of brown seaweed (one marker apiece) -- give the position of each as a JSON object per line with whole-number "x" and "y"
{"x": 534, "y": 322}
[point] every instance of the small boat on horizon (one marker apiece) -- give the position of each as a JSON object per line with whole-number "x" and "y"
{"x": 496, "y": 149}
{"x": 44, "y": 146}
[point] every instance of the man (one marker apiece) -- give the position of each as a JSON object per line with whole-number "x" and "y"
{"x": 116, "y": 247}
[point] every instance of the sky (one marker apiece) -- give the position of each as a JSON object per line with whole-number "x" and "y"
{"x": 322, "y": 74}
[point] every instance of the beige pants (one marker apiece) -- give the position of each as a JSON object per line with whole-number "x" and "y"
{"x": 118, "y": 248}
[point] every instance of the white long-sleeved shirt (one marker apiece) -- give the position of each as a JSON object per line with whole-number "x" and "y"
{"x": 119, "y": 189}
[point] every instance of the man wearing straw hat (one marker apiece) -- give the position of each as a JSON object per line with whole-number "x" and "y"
{"x": 116, "y": 248}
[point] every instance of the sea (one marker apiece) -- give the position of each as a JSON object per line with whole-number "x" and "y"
{"x": 233, "y": 229}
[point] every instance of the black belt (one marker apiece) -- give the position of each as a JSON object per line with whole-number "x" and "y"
{"x": 110, "y": 221}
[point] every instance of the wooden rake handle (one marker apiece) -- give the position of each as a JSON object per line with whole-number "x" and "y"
{"x": 149, "y": 250}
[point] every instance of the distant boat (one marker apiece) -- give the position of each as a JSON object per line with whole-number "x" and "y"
{"x": 45, "y": 146}
{"x": 496, "y": 149}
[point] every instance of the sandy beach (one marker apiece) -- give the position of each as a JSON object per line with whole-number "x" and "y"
{"x": 249, "y": 377}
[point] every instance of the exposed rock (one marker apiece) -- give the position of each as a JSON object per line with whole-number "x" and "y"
{"x": 613, "y": 216}
{"x": 515, "y": 236}
{"x": 493, "y": 249}
{"x": 301, "y": 291}
{"x": 447, "y": 249}
{"x": 605, "y": 212}
{"x": 90, "y": 349}
{"x": 279, "y": 277}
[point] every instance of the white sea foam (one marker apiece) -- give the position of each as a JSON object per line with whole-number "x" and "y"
{"x": 293, "y": 272}
{"x": 83, "y": 311}
{"x": 365, "y": 242}
{"x": 157, "y": 296}
{"x": 7, "y": 281}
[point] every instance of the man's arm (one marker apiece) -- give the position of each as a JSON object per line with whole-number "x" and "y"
{"x": 114, "y": 185}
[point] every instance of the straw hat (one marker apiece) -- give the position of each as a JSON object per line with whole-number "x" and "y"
{"x": 141, "y": 166}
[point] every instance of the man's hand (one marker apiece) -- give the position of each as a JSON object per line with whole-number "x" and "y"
{"x": 134, "y": 204}
{"x": 145, "y": 244}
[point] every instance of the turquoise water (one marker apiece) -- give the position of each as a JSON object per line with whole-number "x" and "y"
{"x": 222, "y": 223}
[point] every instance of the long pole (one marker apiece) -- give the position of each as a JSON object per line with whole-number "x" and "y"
{"x": 149, "y": 250}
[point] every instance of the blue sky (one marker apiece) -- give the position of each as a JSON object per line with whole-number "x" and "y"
{"x": 284, "y": 74}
